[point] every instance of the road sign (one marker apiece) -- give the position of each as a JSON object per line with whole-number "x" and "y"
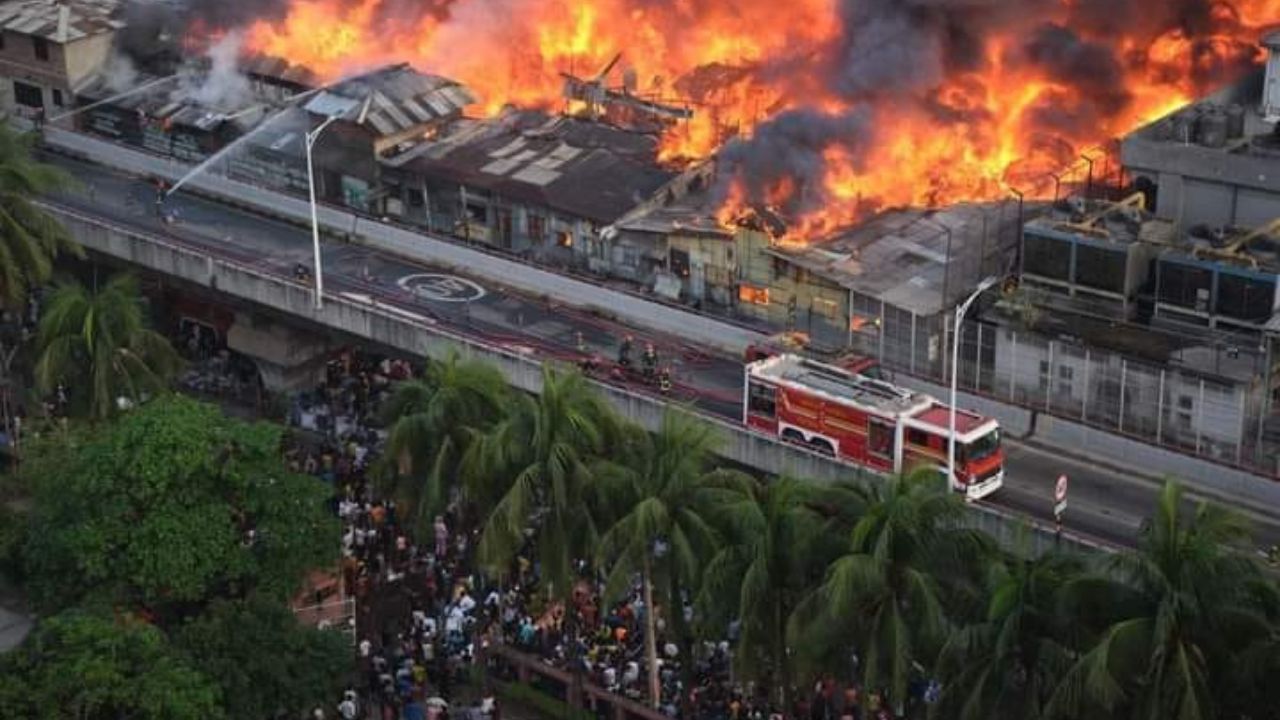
{"x": 1059, "y": 508}
{"x": 1060, "y": 490}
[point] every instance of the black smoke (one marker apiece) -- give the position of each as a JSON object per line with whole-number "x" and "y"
{"x": 894, "y": 55}
{"x": 1091, "y": 69}
{"x": 788, "y": 149}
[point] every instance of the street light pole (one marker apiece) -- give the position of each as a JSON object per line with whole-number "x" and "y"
{"x": 310, "y": 140}
{"x": 955, "y": 373}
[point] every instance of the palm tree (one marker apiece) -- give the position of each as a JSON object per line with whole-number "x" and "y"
{"x": 99, "y": 341}
{"x": 531, "y": 473}
{"x": 769, "y": 560}
{"x": 432, "y": 421}
{"x": 29, "y": 237}
{"x": 657, "y": 497}
{"x": 1008, "y": 664}
{"x": 884, "y": 594}
{"x": 1189, "y": 605}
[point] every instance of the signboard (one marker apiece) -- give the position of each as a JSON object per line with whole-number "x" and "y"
{"x": 1060, "y": 498}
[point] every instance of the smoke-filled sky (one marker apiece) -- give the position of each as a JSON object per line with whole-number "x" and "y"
{"x": 853, "y": 102}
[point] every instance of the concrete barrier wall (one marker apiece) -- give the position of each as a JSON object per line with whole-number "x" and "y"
{"x": 1151, "y": 460}
{"x": 419, "y": 246}
{"x": 420, "y": 336}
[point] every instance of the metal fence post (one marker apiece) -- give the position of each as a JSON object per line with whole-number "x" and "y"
{"x": 880, "y": 342}
{"x": 1013, "y": 367}
{"x": 913, "y": 343}
{"x": 1160, "y": 410}
{"x": 1199, "y": 415}
{"x": 1048, "y": 382}
{"x": 1124, "y": 369}
{"x": 977, "y": 363}
{"x": 1084, "y": 402}
{"x": 1244, "y": 412}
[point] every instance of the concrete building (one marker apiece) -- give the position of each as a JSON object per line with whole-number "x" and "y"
{"x": 49, "y": 50}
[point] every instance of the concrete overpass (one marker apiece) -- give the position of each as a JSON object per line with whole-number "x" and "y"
{"x": 357, "y": 314}
{"x": 534, "y": 313}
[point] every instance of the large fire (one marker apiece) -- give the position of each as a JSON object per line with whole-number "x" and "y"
{"x": 825, "y": 109}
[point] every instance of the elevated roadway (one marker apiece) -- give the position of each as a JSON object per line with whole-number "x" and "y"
{"x": 427, "y": 309}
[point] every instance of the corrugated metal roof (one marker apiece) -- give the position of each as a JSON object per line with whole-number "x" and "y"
{"x": 403, "y": 98}
{"x": 60, "y": 22}
{"x": 583, "y": 169}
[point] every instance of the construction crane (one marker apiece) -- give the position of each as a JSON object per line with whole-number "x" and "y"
{"x": 597, "y": 98}
{"x": 1234, "y": 250}
{"x": 1088, "y": 224}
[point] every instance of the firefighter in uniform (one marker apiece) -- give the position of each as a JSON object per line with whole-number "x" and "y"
{"x": 664, "y": 381}
{"x": 649, "y": 361}
{"x": 624, "y": 353}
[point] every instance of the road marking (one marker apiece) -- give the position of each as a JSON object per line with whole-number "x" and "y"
{"x": 442, "y": 288}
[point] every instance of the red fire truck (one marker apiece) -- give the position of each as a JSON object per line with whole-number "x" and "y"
{"x": 869, "y": 422}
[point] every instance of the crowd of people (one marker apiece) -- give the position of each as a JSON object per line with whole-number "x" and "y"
{"x": 424, "y": 615}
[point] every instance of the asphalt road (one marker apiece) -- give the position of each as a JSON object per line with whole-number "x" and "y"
{"x": 1104, "y": 504}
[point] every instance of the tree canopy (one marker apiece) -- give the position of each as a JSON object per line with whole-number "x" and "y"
{"x": 174, "y": 505}
{"x": 86, "y": 666}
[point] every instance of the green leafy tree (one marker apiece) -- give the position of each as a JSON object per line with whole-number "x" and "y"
{"x": 81, "y": 666}
{"x": 99, "y": 345}
{"x": 30, "y": 238}
{"x": 264, "y": 660}
{"x": 1187, "y": 607}
{"x": 884, "y": 595}
{"x": 657, "y": 496}
{"x": 170, "y": 506}
{"x": 1009, "y": 664}
{"x": 532, "y": 472}
{"x": 761, "y": 571}
{"x": 432, "y": 421}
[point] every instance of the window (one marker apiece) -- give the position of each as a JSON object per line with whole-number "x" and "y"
{"x": 41, "y": 46}
{"x": 477, "y": 212}
{"x": 1065, "y": 375}
{"x": 753, "y": 295}
{"x": 679, "y": 260}
{"x": 919, "y": 438}
{"x": 537, "y": 228}
{"x": 1, "y": 40}
{"x": 981, "y": 448}
{"x": 1045, "y": 374}
{"x": 762, "y": 400}
{"x": 57, "y": 97}
{"x": 28, "y": 95}
{"x": 881, "y": 438}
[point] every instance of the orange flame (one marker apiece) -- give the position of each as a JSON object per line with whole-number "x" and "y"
{"x": 738, "y": 64}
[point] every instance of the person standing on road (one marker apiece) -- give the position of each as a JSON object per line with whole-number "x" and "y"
{"x": 442, "y": 537}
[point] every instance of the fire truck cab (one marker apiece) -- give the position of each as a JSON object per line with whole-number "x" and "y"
{"x": 869, "y": 422}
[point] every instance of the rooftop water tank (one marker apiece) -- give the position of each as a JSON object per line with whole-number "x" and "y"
{"x": 1235, "y": 122}
{"x": 1211, "y": 129}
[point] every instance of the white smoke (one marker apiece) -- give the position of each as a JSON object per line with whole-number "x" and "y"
{"x": 216, "y": 82}
{"x": 119, "y": 73}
